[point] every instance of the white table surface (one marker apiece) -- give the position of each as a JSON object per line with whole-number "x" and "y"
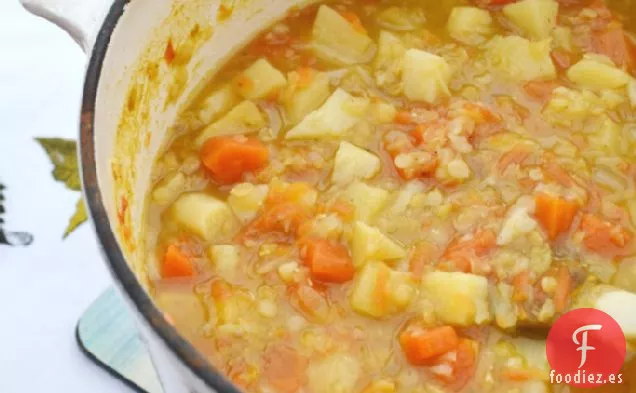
{"x": 45, "y": 287}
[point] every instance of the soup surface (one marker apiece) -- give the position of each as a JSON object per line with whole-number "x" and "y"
{"x": 402, "y": 196}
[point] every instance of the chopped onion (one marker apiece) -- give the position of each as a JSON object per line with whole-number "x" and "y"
{"x": 610, "y": 179}
{"x": 275, "y": 118}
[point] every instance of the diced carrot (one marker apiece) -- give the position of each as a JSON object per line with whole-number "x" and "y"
{"x": 169, "y": 54}
{"x": 227, "y": 158}
{"x": 403, "y": 117}
{"x": 464, "y": 255}
{"x": 305, "y": 76}
{"x": 518, "y": 155}
{"x": 613, "y": 43}
{"x": 284, "y": 368}
{"x": 464, "y": 367}
{"x": 328, "y": 261}
{"x": 555, "y": 214}
{"x": 284, "y": 217}
{"x": 563, "y": 289}
{"x": 604, "y": 237}
{"x": 176, "y": 263}
{"x": 540, "y": 90}
{"x": 355, "y": 21}
{"x": 422, "y": 345}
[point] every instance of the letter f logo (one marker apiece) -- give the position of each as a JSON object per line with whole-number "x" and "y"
{"x": 583, "y": 343}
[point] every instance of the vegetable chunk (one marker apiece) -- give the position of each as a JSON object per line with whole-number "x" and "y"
{"x": 371, "y": 244}
{"x": 305, "y": 96}
{"x": 458, "y": 299}
{"x": 341, "y": 112}
{"x": 243, "y": 119}
{"x": 367, "y": 200}
{"x": 380, "y": 291}
{"x": 353, "y": 163}
{"x": 422, "y": 346}
{"x": 176, "y": 263}
{"x": 260, "y": 80}
{"x": 425, "y": 76}
{"x": 337, "y": 373}
{"x": 597, "y": 72}
{"x": 535, "y": 18}
{"x": 328, "y": 261}
{"x": 520, "y": 59}
{"x": 204, "y": 215}
{"x": 217, "y": 103}
{"x": 337, "y": 40}
{"x": 227, "y": 159}
{"x": 469, "y": 25}
{"x": 246, "y": 200}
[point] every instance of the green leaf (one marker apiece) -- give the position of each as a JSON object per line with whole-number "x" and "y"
{"x": 78, "y": 218}
{"x": 63, "y": 155}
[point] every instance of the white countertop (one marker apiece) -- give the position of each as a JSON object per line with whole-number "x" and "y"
{"x": 45, "y": 287}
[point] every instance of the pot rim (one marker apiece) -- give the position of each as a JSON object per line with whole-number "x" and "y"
{"x": 114, "y": 256}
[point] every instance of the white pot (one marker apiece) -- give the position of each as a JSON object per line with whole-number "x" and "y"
{"x": 116, "y": 160}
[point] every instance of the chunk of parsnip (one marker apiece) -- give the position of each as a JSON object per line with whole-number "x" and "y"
{"x": 354, "y": 163}
{"x": 246, "y": 200}
{"x": 341, "y": 112}
{"x": 336, "y": 40}
{"x": 469, "y": 25}
{"x": 369, "y": 243}
{"x": 534, "y": 18}
{"x": 204, "y": 215}
{"x": 597, "y": 72}
{"x": 367, "y": 200}
{"x": 217, "y": 103}
{"x": 302, "y": 100}
{"x": 520, "y": 59}
{"x": 459, "y": 299}
{"x": 245, "y": 118}
{"x": 260, "y": 80}
{"x": 379, "y": 291}
{"x": 425, "y": 76}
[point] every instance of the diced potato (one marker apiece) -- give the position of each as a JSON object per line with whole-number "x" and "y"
{"x": 246, "y": 200}
{"x": 204, "y": 215}
{"x": 389, "y": 60}
{"x": 596, "y": 72}
{"x": 218, "y": 103}
{"x": 186, "y": 310}
{"x": 367, "y": 200}
{"x": 535, "y": 18}
{"x": 305, "y": 99}
{"x": 341, "y": 112}
{"x": 336, "y": 40}
{"x": 379, "y": 291}
{"x": 337, "y": 373}
{"x": 625, "y": 277}
{"x": 425, "y": 76}
{"x": 225, "y": 259}
{"x": 370, "y": 243}
{"x": 520, "y": 59}
{"x": 459, "y": 299}
{"x": 469, "y": 25}
{"x": 620, "y": 305}
{"x": 169, "y": 189}
{"x": 260, "y": 80}
{"x": 353, "y": 163}
{"x": 243, "y": 119}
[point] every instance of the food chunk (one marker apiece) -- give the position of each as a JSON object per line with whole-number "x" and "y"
{"x": 367, "y": 200}
{"x": 379, "y": 291}
{"x": 425, "y": 76}
{"x": 597, "y": 72}
{"x": 389, "y": 60}
{"x": 217, "y": 103}
{"x": 226, "y": 259}
{"x": 204, "y": 215}
{"x": 337, "y": 373}
{"x": 353, "y": 163}
{"x": 370, "y": 243}
{"x": 337, "y": 40}
{"x": 260, "y": 80}
{"x": 247, "y": 199}
{"x": 328, "y": 261}
{"x": 310, "y": 89}
{"x": 228, "y": 159}
{"x": 469, "y": 25}
{"x": 245, "y": 118}
{"x": 422, "y": 346}
{"x": 520, "y": 59}
{"x": 535, "y": 18}
{"x": 458, "y": 299}
{"x": 341, "y": 112}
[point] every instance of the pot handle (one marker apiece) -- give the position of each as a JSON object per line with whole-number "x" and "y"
{"x": 79, "y": 18}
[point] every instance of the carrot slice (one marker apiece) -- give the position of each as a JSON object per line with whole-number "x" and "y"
{"x": 176, "y": 263}
{"x": 227, "y": 159}
{"x": 328, "y": 261}
{"x": 563, "y": 289}
{"x": 555, "y": 214}
{"x": 422, "y": 346}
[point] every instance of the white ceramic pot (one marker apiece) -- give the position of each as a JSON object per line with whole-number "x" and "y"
{"x": 126, "y": 41}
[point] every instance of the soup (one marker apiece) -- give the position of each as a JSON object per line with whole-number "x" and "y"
{"x": 390, "y": 196}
